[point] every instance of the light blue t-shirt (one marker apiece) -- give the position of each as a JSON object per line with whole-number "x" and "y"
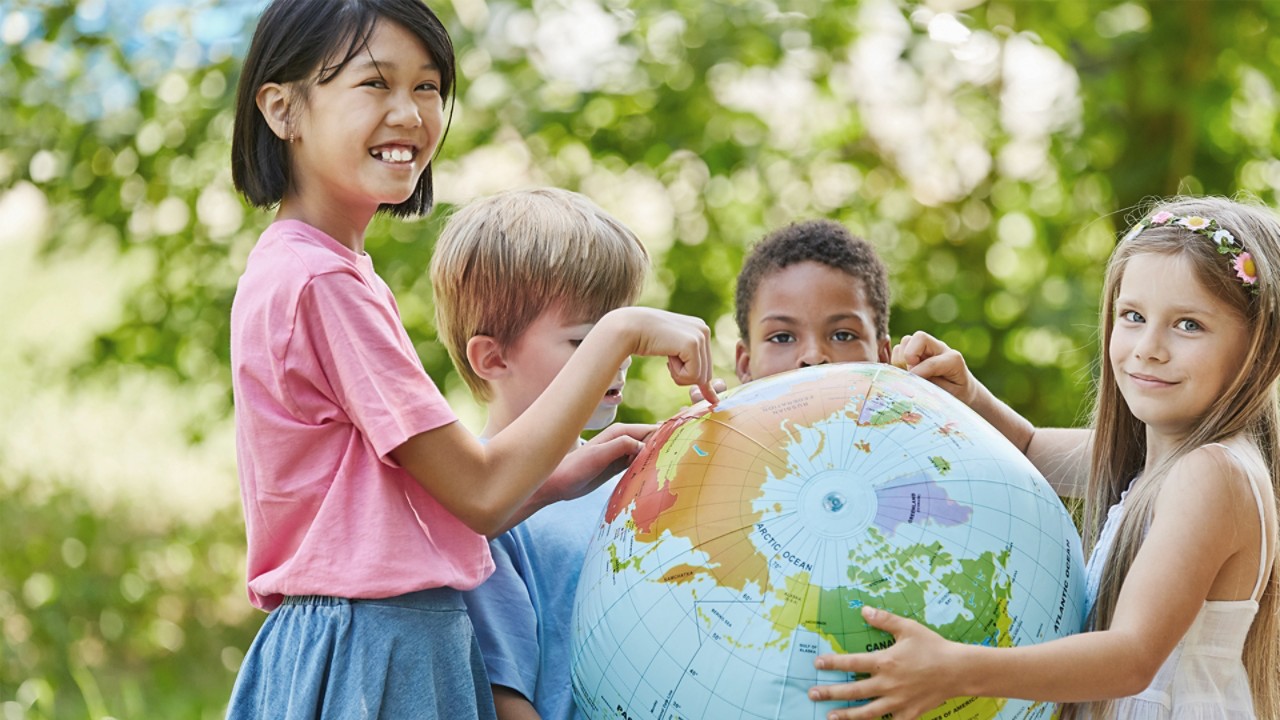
{"x": 523, "y": 612}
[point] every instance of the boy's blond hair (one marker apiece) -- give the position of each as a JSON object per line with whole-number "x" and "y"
{"x": 503, "y": 260}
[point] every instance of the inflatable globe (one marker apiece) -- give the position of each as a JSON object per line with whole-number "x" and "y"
{"x": 743, "y": 540}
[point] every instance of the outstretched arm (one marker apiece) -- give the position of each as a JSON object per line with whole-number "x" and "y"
{"x": 1177, "y": 569}
{"x": 1060, "y": 454}
{"x": 484, "y": 485}
{"x": 601, "y": 458}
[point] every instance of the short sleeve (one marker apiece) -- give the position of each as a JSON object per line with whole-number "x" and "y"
{"x": 506, "y": 624}
{"x": 354, "y": 336}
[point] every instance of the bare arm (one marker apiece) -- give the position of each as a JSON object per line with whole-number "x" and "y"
{"x": 1060, "y": 454}
{"x": 1171, "y": 577}
{"x": 511, "y": 705}
{"x": 603, "y": 457}
{"x": 484, "y": 485}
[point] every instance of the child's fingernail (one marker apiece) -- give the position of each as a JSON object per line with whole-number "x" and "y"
{"x": 870, "y": 613}
{"x": 814, "y": 695}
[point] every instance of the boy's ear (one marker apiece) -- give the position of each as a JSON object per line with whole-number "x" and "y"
{"x": 484, "y": 353}
{"x": 886, "y": 350}
{"x": 742, "y": 361}
{"x": 274, "y": 102}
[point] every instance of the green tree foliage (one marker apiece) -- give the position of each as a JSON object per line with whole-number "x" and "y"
{"x": 990, "y": 151}
{"x": 106, "y": 617}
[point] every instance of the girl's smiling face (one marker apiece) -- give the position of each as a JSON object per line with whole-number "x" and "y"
{"x": 1175, "y": 347}
{"x": 363, "y": 138}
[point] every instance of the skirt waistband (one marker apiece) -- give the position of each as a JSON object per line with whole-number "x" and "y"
{"x": 439, "y": 599}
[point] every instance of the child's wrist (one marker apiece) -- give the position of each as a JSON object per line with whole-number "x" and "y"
{"x": 961, "y": 678}
{"x": 612, "y": 331}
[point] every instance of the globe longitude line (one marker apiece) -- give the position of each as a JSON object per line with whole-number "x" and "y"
{"x": 834, "y": 428}
{"x": 738, "y": 701}
{"x": 857, "y": 413}
{"x": 961, "y": 466}
{"x": 1023, "y": 555}
{"x": 922, "y": 537}
{"x": 753, "y": 615}
{"x": 750, "y": 482}
{"x": 1049, "y": 611}
{"x": 756, "y": 668}
{"x": 668, "y": 471}
{"x": 1026, "y": 555}
{"x": 665, "y": 565}
{"x": 1020, "y": 556}
{"x": 738, "y": 431}
{"x": 918, "y": 532}
{"x": 690, "y": 614}
{"x": 837, "y": 624}
{"x": 815, "y": 547}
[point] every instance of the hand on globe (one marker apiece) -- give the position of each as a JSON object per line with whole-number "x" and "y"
{"x": 602, "y": 457}
{"x": 695, "y": 393}
{"x": 928, "y": 357}
{"x": 906, "y": 680}
{"x": 684, "y": 340}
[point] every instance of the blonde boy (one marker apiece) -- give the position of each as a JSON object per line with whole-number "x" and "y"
{"x": 519, "y": 278}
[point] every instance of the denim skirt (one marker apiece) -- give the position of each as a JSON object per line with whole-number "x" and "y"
{"x": 410, "y": 656}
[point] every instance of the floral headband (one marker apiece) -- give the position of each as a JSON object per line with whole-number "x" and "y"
{"x": 1223, "y": 240}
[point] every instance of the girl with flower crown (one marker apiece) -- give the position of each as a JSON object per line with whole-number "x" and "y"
{"x": 1179, "y": 473}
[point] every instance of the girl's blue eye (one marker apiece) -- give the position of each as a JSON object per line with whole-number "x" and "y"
{"x": 1188, "y": 325}
{"x": 844, "y": 336}
{"x": 781, "y": 337}
{"x": 1131, "y": 316}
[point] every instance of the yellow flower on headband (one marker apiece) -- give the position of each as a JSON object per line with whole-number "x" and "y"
{"x": 1194, "y": 223}
{"x": 1245, "y": 269}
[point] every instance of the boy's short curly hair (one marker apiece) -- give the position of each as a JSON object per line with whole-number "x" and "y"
{"x": 822, "y": 241}
{"x": 503, "y": 260}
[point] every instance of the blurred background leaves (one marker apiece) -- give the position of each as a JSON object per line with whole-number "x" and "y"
{"x": 990, "y": 150}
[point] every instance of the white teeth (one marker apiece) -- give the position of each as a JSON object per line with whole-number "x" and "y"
{"x": 396, "y": 155}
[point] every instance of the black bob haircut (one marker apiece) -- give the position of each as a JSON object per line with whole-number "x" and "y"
{"x": 296, "y": 38}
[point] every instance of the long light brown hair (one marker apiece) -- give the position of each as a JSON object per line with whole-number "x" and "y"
{"x": 1248, "y": 407}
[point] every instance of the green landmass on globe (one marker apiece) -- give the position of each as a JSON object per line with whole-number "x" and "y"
{"x": 745, "y": 538}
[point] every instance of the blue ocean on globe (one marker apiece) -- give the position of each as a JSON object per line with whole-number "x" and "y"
{"x": 745, "y": 538}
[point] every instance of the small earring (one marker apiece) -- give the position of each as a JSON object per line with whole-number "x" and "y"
{"x": 291, "y": 137}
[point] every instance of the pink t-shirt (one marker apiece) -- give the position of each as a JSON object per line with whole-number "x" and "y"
{"x": 326, "y": 384}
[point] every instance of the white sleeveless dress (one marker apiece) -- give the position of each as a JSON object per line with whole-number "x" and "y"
{"x": 1204, "y": 676}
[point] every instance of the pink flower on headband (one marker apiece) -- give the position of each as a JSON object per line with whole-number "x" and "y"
{"x": 1161, "y": 217}
{"x": 1245, "y": 269}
